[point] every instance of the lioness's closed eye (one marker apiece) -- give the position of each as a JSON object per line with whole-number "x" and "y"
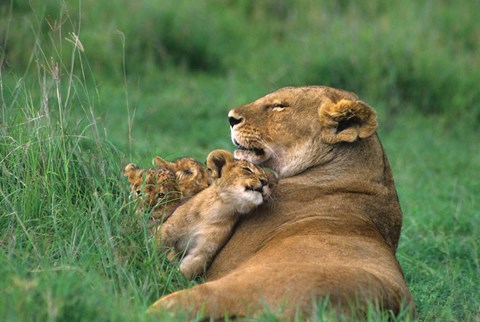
{"x": 201, "y": 226}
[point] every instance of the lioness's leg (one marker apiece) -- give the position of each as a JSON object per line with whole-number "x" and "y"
{"x": 238, "y": 294}
{"x": 284, "y": 290}
{"x": 204, "y": 300}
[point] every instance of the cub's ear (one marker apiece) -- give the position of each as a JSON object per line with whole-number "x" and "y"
{"x": 159, "y": 162}
{"x": 346, "y": 121}
{"x": 150, "y": 177}
{"x": 216, "y": 160}
{"x": 132, "y": 172}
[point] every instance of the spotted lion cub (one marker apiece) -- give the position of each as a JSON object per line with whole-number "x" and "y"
{"x": 201, "y": 226}
{"x": 192, "y": 176}
{"x": 163, "y": 188}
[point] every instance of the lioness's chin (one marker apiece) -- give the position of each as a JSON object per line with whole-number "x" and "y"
{"x": 252, "y": 156}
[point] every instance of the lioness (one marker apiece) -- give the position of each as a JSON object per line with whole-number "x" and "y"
{"x": 334, "y": 227}
{"x": 200, "y": 227}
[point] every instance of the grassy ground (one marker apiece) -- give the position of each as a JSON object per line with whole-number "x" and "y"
{"x": 146, "y": 79}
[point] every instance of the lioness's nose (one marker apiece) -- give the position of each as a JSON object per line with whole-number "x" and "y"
{"x": 234, "y": 119}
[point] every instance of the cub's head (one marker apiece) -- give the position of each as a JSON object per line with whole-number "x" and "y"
{"x": 293, "y": 129}
{"x": 192, "y": 176}
{"x": 241, "y": 182}
{"x": 155, "y": 188}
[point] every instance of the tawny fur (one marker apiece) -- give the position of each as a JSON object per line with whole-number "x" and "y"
{"x": 162, "y": 189}
{"x": 156, "y": 190}
{"x": 334, "y": 227}
{"x": 200, "y": 227}
{"x": 192, "y": 176}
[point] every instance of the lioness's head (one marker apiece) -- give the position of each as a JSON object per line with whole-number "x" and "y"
{"x": 293, "y": 129}
{"x": 240, "y": 180}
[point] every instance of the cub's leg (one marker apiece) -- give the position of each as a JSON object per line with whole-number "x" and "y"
{"x": 202, "y": 249}
{"x": 199, "y": 255}
{"x": 167, "y": 236}
{"x": 193, "y": 265}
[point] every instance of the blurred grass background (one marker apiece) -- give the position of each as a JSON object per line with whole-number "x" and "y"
{"x": 87, "y": 86}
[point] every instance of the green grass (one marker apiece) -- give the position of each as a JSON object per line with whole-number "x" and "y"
{"x": 150, "y": 79}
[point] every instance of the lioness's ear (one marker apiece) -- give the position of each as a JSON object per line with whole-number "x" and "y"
{"x": 346, "y": 121}
{"x": 216, "y": 160}
{"x": 159, "y": 162}
{"x": 132, "y": 172}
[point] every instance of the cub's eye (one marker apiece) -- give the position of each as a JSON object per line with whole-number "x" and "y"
{"x": 247, "y": 170}
{"x": 187, "y": 172}
{"x": 160, "y": 195}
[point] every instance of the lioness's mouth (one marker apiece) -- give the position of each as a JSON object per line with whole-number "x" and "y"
{"x": 257, "y": 151}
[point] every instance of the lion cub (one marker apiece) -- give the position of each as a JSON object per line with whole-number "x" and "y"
{"x": 157, "y": 190}
{"x": 163, "y": 188}
{"x": 192, "y": 176}
{"x": 200, "y": 227}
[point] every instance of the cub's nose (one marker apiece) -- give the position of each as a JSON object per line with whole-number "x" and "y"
{"x": 264, "y": 182}
{"x": 234, "y": 119}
